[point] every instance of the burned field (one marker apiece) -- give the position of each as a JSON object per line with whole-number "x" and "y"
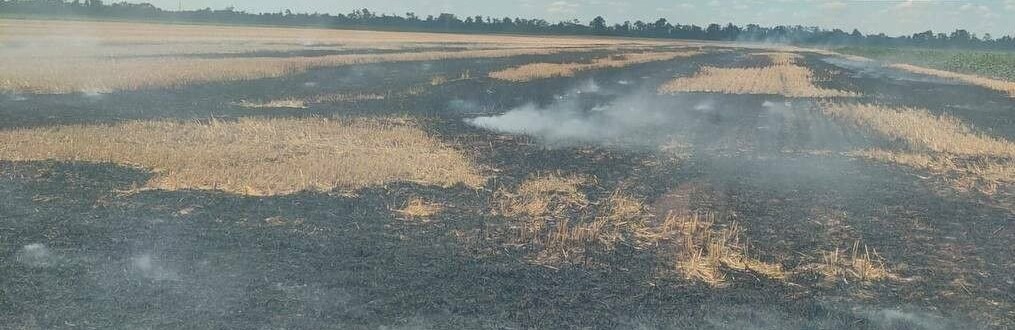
{"x": 561, "y": 183}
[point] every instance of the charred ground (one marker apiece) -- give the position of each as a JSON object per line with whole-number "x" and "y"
{"x": 83, "y": 248}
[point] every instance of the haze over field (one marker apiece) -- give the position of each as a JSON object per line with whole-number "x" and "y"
{"x": 220, "y": 169}
{"x": 891, "y": 16}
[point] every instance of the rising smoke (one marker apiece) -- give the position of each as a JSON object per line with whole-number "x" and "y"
{"x": 579, "y": 116}
{"x": 36, "y": 255}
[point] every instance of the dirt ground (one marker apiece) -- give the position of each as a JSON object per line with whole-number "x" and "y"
{"x": 79, "y": 248}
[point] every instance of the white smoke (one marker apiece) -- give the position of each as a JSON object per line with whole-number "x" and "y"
{"x": 151, "y": 268}
{"x": 94, "y": 94}
{"x": 569, "y": 121}
{"x": 36, "y": 255}
{"x": 705, "y": 106}
{"x": 589, "y": 86}
{"x": 720, "y": 315}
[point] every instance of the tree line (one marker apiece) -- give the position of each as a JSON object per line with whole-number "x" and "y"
{"x": 445, "y": 22}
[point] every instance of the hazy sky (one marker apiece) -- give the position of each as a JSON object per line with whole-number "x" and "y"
{"x": 890, "y": 16}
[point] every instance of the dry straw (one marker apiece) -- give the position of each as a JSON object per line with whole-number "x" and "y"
{"x": 536, "y": 71}
{"x": 937, "y": 143}
{"x": 782, "y": 78}
{"x": 254, "y": 156}
{"x": 109, "y": 56}
{"x": 1007, "y": 87}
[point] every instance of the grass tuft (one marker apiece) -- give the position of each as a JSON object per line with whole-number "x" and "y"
{"x": 706, "y": 249}
{"x": 417, "y": 208}
{"x": 290, "y": 103}
{"x": 555, "y": 220}
{"x": 862, "y": 264}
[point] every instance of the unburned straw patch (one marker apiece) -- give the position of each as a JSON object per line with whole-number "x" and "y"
{"x": 553, "y": 218}
{"x": 291, "y": 103}
{"x": 255, "y": 156}
{"x": 557, "y": 222}
{"x": 921, "y": 130}
{"x": 35, "y": 75}
{"x": 543, "y": 195}
{"x": 536, "y": 71}
{"x": 74, "y": 56}
{"x": 783, "y": 78}
{"x": 419, "y": 208}
{"x": 939, "y": 144}
{"x": 857, "y": 264}
{"x": 780, "y": 58}
{"x": 703, "y": 250}
{"x": 1007, "y": 87}
{"x": 302, "y": 103}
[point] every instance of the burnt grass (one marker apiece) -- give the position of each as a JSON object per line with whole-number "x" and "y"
{"x": 205, "y": 259}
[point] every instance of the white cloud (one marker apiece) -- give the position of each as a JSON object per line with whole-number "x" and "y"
{"x": 834, "y": 5}
{"x": 908, "y": 4}
{"x": 562, "y": 7}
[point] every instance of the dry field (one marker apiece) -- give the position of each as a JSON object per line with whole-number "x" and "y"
{"x": 1003, "y": 86}
{"x": 536, "y": 71}
{"x": 34, "y": 75}
{"x": 260, "y": 157}
{"x": 114, "y": 34}
{"x": 782, "y": 78}
{"x": 120, "y": 56}
{"x": 380, "y": 199}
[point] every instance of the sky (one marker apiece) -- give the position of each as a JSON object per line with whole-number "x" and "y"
{"x": 894, "y": 17}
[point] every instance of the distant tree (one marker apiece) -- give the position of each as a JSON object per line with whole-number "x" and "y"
{"x": 598, "y": 25}
{"x": 923, "y": 38}
{"x": 640, "y": 26}
{"x": 960, "y": 36}
{"x": 661, "y": 28}
{"x": 364, "y": 18}
{"x": 713, "y": 32}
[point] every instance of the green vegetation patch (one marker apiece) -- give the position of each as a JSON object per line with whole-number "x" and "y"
{"x": 999, "y": 65}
